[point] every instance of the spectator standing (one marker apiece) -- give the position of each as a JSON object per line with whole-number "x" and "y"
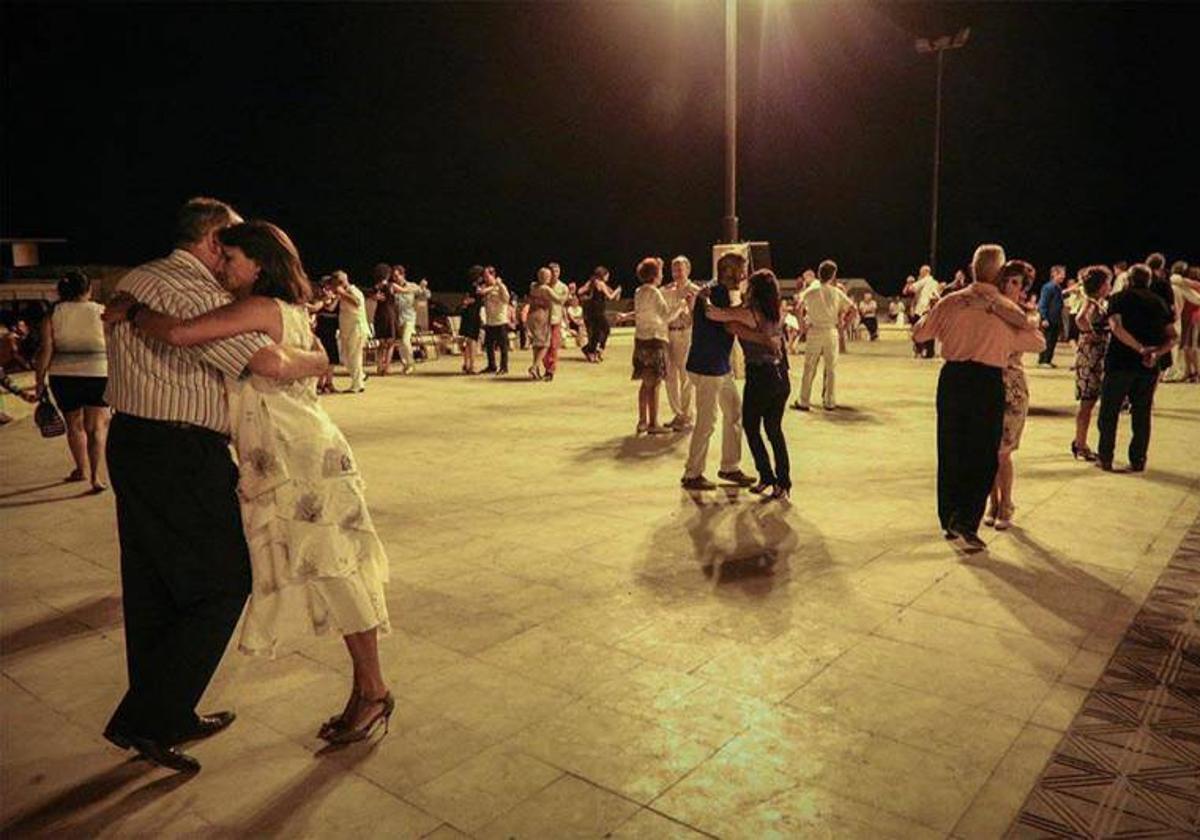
{"x": 827, "y": 309}
{"x": 73, "y": 353}
{"x": 680, "y": 393}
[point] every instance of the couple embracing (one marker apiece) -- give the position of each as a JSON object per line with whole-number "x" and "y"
{"x": 209, "y": 345}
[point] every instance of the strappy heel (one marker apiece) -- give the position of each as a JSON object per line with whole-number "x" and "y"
{"x": 337, "y": 722}
{"x": 1083, "y": 452}
{"x": 362, "y": 733}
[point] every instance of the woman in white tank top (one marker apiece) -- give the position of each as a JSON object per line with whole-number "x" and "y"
{"x": 74, "y": 356}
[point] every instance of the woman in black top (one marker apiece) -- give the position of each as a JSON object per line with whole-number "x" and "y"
{"x": 758, "y": 324}
{"x": 325, "y": 313}
{"x": 387, "y": 318}
{"x": 470, "y": 323}
{"x": 595, "y": 295}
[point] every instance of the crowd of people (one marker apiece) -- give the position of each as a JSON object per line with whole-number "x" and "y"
{"x": 226, "y": 341}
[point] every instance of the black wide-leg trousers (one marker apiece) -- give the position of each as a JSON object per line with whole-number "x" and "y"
{"x": 970, "y": 421}
{"x": 185, "y": 568}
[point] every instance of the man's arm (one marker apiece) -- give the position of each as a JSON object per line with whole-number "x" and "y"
{"x": 927, "y": 328}
{"x": 756, "y": 336}
{"x": 347, "y": 296}
{"x": 557, "y": 293}
{"x": 278, "y": 361}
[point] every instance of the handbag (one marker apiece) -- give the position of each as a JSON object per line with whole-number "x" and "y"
{"x": 48, "y": 419}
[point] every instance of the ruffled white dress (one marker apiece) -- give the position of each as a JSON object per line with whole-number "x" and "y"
{"x": 318, "y": 565}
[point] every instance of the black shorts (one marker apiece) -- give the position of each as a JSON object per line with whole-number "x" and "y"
{"x": 74, "y": 392}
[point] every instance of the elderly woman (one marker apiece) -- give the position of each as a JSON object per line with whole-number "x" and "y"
{"x": 979, "y": 329}
{"x": 74, "y": 354}
{"x": 1092, "y": 322}
{"x": 537, "y": 321}
{"x": 1015, "y": 279}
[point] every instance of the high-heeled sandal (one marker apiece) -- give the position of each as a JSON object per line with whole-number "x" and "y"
{"x": 761, "y": 487}
{"x": 1083, "y": 452}
{"x": 362, "y": 733}
{"x": 338, "y": 721}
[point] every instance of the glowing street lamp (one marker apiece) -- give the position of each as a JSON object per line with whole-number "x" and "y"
{"x": 939, "y": 46}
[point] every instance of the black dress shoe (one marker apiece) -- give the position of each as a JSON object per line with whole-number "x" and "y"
{"x": 159, "y": 752}
{"x": 972, "y": 543}
{"x": 205, "y": 726}
{"x": 1137, "y": 466}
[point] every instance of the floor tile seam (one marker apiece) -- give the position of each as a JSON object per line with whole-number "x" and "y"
{"x": 564, "y": 774}
{"x": 1036, "y": 674}
{"x": 1007, "y": 630}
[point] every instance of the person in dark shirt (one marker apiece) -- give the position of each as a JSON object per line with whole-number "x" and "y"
{"x": 1050, "y": 306}
{"x": 1160, "y": 284}
{"x": 1142, "y": 333}
{"x": 709, "y": 369}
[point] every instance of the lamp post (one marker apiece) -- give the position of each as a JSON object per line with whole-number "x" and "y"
{"x": 729, "y": 224}
{"x": 939, "y": 46}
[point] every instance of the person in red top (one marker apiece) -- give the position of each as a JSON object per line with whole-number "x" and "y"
{"x": 979, "y": 329}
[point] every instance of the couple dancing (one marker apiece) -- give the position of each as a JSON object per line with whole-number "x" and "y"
{"x": 211, "y": 343}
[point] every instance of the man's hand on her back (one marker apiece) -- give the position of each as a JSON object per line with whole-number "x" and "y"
{"x": 117, "y": 308}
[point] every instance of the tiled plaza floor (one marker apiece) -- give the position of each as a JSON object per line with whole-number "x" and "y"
{"x": 583, "y": 650}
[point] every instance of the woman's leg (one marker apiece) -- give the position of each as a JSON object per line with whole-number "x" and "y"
{"x": 752, "y": 417}
{"x": 1004, "y": 485}
{"x": 77, "y": 442}
{"x": 538, "y": 353}
{"x": 95, "y": 421}
{"x": 773, "y": 423}
{"x": 369, "y": 684}
{"x": 652, "y": 400}
{"x": 1083, "y": 419}
{"x": 643, "y": 404}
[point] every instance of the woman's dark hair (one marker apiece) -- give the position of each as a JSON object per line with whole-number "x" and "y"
{"x": 381, "y": 272}
{"x": 282, "y": 275}
{"x": 1017, "y": 268}
{"x": 764, "y": 294}
{"x": 73, "y": 286}
{"x": 1094, "y": 278}
{"x": 649, "y": 269}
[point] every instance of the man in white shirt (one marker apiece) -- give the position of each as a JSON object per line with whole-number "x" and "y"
{"x": 680, "y": 391}
{"x": 495, "y": 320}
{"x": 352, "y": 329}
{"x": 558, "y": 292}
{"x": 827, "y": 309}
{"x": 925, "y": 291}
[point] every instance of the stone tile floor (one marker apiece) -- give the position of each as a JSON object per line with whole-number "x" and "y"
{"x": 583, "y": 650}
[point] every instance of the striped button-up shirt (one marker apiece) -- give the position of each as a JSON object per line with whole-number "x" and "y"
{"x": 147, "y": 378}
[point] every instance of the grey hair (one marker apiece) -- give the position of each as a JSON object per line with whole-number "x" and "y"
{"x": 987, "y": 262}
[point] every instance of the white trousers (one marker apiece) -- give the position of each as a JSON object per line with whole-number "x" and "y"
{"x": 679, "y": 387}
{"x": 350, "y": 347}
{"x": 404, "y": 340}
{"x": 713, "y": 392}
{"x": 822, "y": 344}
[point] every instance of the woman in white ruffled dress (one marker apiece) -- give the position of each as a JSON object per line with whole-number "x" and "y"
{"x": 318, "y": 565}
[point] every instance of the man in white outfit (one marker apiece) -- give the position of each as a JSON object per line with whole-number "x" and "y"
{"x": 680, "y": 391}
{"x": 827, "y": 309}
{"x": 352, "y": 329}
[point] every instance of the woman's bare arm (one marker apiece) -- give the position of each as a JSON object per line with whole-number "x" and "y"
{"x": 729, "y": 314}
{"x": 253, "y": 314}
{"x": 45, "y": 352}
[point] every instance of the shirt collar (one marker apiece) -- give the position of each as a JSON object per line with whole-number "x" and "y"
{"x": 189, "y": 257}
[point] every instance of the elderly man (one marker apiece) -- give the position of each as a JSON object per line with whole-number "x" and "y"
{"x": 827, "y": 309}
{"x": 1143, "y": 333}
{"x": 185, "y": 568}
{"x": 680, "y": 392}
{"x": 979, "y": 329}
{"x": 1050, "y": 307}
{"x": 557, "y": 292}
{"x": 353, "y": 329}
{"x": 925, "y": 291}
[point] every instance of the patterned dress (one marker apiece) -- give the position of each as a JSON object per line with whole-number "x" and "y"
{"x": 1016, "y": 403}
{"x": 1089, "y": 354}
{"x": 318, "y": 565}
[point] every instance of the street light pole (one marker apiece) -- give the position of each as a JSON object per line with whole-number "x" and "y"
{"x": 938, "y": 46}
{"x": 729, "y": 226}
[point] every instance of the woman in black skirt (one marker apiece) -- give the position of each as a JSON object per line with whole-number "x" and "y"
{"x": 324, "y": 309}
{"x": 470, "y": 321}
{"x": 387, "y": 318}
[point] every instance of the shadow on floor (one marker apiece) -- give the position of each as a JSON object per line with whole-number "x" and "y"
{"x": 97, "y": 614}
{"x": 1050, "y": 411}
{"x": 285, "y": 813}
{"x": 632, "y": 448}
{"x": 33, "y": 489}
{"x": 87, "y": 491}
{"x": 1044, "y": 586}
{"x": 848, "y": 414}
{"x": 54, "y": 816}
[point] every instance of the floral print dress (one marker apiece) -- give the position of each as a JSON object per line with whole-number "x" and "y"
{"x": 318, "y": 565}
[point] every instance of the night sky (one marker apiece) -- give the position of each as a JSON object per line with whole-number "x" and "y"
{"x": 440, "y": 135}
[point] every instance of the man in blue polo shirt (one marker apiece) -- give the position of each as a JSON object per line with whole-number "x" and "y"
{"x": 711, "y": 375}
{"x": 1050, "y": 306}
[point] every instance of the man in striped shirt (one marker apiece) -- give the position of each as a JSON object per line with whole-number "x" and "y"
{"x": 185, "y": 568}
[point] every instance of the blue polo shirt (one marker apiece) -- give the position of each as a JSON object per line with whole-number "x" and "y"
{"x": 711, "y": 342}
